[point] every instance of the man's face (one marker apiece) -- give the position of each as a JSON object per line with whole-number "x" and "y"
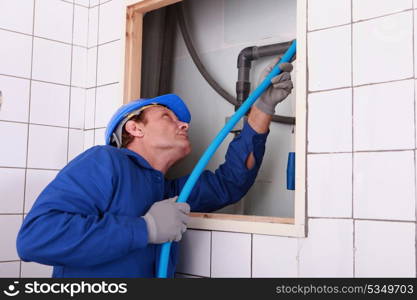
{"x": 163, "y": 130}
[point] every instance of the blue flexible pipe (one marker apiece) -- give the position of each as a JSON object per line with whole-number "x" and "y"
{"x": 199, "y": 168}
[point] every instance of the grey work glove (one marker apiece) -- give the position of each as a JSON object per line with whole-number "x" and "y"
{"x": 279, "y": 90}
{"x": 166, "y": 221}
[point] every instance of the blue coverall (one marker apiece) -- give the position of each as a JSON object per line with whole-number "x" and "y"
{"x": 87, "y": 221}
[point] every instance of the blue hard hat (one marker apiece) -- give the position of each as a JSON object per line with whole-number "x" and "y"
{"x": 171, "y": 101}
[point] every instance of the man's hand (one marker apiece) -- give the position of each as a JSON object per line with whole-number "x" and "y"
{"x": 167, "y": 221}
{"x": 279, "y": 90}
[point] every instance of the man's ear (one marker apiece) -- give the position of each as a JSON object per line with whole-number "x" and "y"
{"x": 135, "y": 128}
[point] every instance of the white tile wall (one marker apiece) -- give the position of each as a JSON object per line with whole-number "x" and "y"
{"x": 36, "y": 181}
{"x": 384, "y": 185}
{"x": 327, "y": 13}
{"x": 365, "y": 9}
{"x": 89, "y": 109}
{"x": 88, "y": 139}
{"x": 94, "y": 2}
{"x": 31, "y": 269}
{"x": 330, "y": 121}
{"x": 80, "y": 26}
{"x": 384, "y": 116}
{"x": 231, "y": 254}
{"x": 195, "y": 253}
{"x": 383, "y": 49}
{"x": 12, "y": 8}
{"x": 329, "y": 185}
{"x": 13, "y": 153}
{"x": 328, "y": 250}
{"x": 109, "y": 63}
{"x": 8, "y": 237}
{"x": 76, "y": 143}
{"x": 329, "y": 63}
{"x": 47, "y": 147}
{"x": 107, "y": 102}
{"x": 78, "y": 96}
{"x": 93, "y": 27}
{"x": 79, "y": 67}
{"x": 51, "y": 61}
{"x": 15, "y": 92}
{"x": 274, "y": 256}
{"x": 99, "y": 136}
{"x": 91, "y": 67}
{"x": 85, "y": 3}
{"x": 10, "y": 269}
{"x": 53, "y": 20}
{"x": 384, "y": 249}
{"x": 15, "y": 54}
{"x": 49, "y": 104}
{"x": 111, "y": 21}
{"x": 12, "y": 183}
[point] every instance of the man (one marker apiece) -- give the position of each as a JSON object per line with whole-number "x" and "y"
{"x": 107, "y": 212}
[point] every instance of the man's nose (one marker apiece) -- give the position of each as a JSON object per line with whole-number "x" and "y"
{"x": 184, "y": 126}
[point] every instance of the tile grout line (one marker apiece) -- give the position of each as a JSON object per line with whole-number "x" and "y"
{"x": 96, "y": 79}
{"x": 361, "y": 21}
{"x": 28, "y": 125}
{"x": 70, "y": 89}
{"x": 353, "y": 142}
{"x": 415, "y": 134}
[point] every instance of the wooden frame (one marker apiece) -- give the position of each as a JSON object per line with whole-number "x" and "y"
{"x": 293, "y": 227}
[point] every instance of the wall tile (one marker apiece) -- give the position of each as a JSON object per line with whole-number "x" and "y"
{"x": 85, "y": 3}
{"x": 53, "y": 20}
{"x": 79, "y": 67}
{"x": 12, "y": 8}
{"x": 329, "y": 185}
{"x": 80, "y": 26}
{"x": 12, "y": 182}
{"x": 373, "y": 106}
{"x": 36, "y": 182}
{"x": 326, "y": 13}
{"x": 76, "y": 143}
{"x": 94, "y": 3}
{"x": 15, "y": 105}
{"x": 383, "y": 49}
{"x": 230, "y": 254}
{"x": 365, "y": 9}
{"x": 274, "y": 256}
{"x": 88, "y": 139}
{"x": 47, "y": 147}
{"x": 99, "y": 136}
{"x": 13, "y": 153}
{"x": 8, "y": 237}
{"x": 91, "y": 67}
{"x": 10, "y": 269}
{"x": 384, "y": 185}
{"x": 109, "y": 63}
{"x": 93, "y": 27}
{"x": 330, "y": 121}
{"x": 15, "y": 54}
{"x": 384, "y": 249}
{"x": 107, "y": 102}
{"x": 35, "y": 270}
{"x": 49, "y": 104}
{"x": 328, "y": 249}
{"x": 195, "y": 253}
{"x": 329, "y": 63}
{"x": 77, "y": 109}
{"x": 90, "y": 103}
{"x": 51, "y": 61}
{"x": 111, "y": 21}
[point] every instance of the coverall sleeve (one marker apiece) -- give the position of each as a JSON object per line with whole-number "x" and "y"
{"x": 232, "y": 180}
{"x": 67, "y": 226}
